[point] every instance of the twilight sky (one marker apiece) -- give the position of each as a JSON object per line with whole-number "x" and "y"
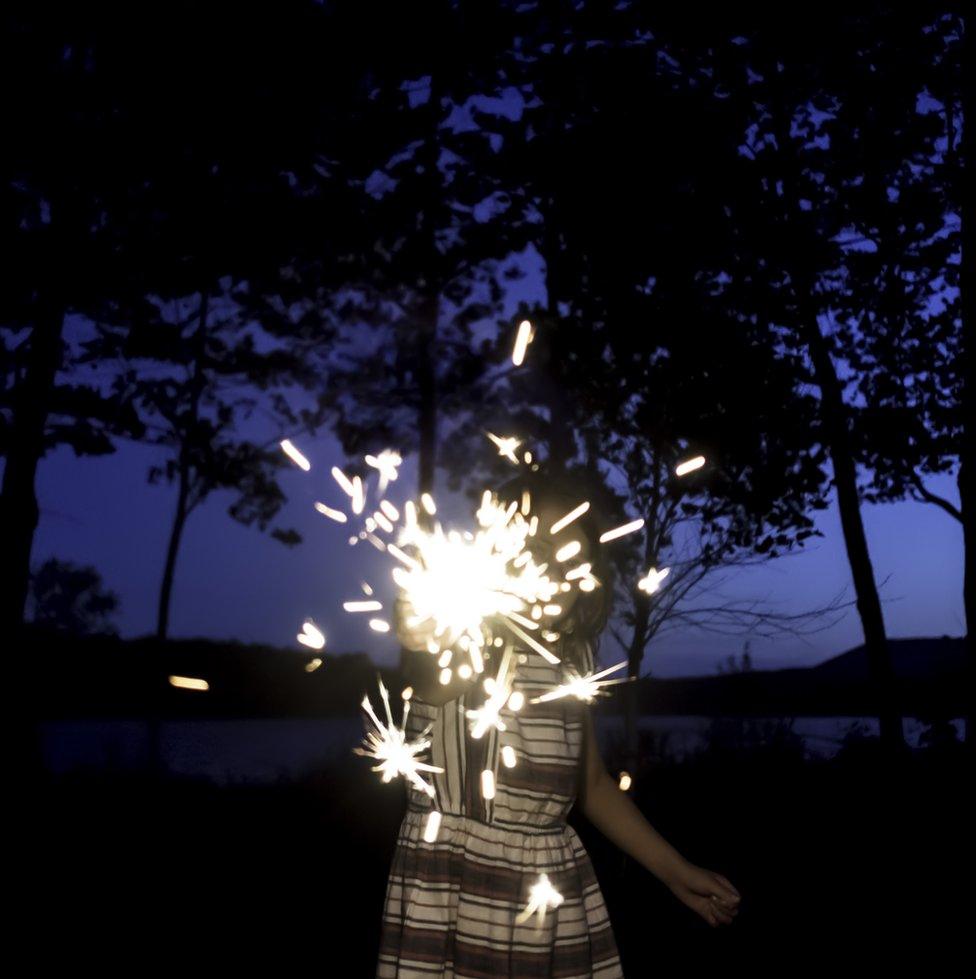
{"x": 234, "y": 582}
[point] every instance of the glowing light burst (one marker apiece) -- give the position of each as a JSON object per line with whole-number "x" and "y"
{"x": 386, "y": 464}
{"x": 389, "y": 745}
{"x": 522, "y": 340}
{"x": 584, "y": 688}
{"x": 311, "y": 636}
{"x": 542, "y": 896}
{"x": 652, "y": 581}
{"x": 506, "y": 446}
{"x": 471, "y": 584}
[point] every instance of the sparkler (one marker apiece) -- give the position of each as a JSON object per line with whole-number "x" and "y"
{"x": 542, "y": 896}
{"x": 389, "y": 745}
{"x": 506, "y": 446}
{"x": 583, "y": 687}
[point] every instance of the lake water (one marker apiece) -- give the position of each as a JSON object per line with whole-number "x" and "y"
{"x": 266, "y": 749}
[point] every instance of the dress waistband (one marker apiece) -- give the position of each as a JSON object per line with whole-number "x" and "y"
{"x": 526, "y": 829}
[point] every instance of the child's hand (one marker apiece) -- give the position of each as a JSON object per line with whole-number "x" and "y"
{"x": 706, "y": 892}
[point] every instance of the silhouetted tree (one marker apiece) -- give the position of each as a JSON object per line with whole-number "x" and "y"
{"x": 71, "y": 598}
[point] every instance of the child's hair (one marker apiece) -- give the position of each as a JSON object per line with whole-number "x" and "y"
{"x": 580, "y": 631}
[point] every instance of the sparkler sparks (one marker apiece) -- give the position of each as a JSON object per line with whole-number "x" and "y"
{"x": 652, "y": 581}
{"x": 389, "y": 745}
{"x": 689, "y": 466}
{"x": 498, "y": 688}
{"x": 506, "y": 446}
{"x": 627, "y": 528}
{"x": 569, "y": 518}
{"x": 311, "y": 636}
{"x": 585, "y": 688}
{"x": 337, "y": 515}
{"x": 295, "y": 456}
{"x": 522, "y": 340}
{"x": 542, "y": 896}
{"x": 386, "y": 463}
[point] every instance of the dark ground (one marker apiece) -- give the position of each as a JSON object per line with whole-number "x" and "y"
{"x": 840, "y": 863}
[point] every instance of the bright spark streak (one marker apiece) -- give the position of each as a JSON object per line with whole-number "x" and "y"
{"x": 427, "y": 502}
{"x": 569, "y": 550}
{"x": 627, "y": 528}
{"x": 522, "y": 340}
{"x": 379, "y": 625}
{"x": 508, "y": 756}
{"x": 310, "y": 636}
{"x": 362, "y": 606}
{"x": 569, "y": 518}
{"x": 313, "y": 664}
{"x": 382, "y": 522}
{"x": 189, "y": 682}
{"x": 542, "y": 896}
{"x": 516, "y": 701}
{"x": 652, "y": 581}
{"x": 337, "y": 515}
{"x": 625, "y": 781}
{"x": 344, "y": 481}
{"x": 295, "y": 455}
{"x": 689, "y": 466}
{"x": 431, "y": 825}
{"x": 583, "y": 687}
{"x": 388, "y": 744}
{"x": 506, "y": 446}
{"x": 537, "y": 646}
{"x": 358, "y": 495}
{"x": 488, "y": 783}
{"x": 389, "y": 509}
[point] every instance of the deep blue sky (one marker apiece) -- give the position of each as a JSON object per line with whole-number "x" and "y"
{"x": 237, "y": 583}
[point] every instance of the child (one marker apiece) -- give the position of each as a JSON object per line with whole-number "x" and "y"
{"x": 504, "y": 887}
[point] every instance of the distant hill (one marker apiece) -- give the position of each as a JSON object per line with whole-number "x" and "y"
{"x": 105, "y": 676}
{"x": 929, "y": 674}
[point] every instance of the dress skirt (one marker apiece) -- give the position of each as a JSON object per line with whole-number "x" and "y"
{"x": 456, "y": 901}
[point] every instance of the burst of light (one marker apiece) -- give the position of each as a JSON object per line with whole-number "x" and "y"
{"x": 295, "y": 455}
{"x": 379, "y": 625}
{"x": 388, "y": 744}
{"x": 368, "y": 606}
{"x": 311, "y": 636}
{"x": 522, "y": 340}
{"x": 585, "y": 688}
{"x": 508, "y": 756}
{"x": 569, "y": 518}
{"x": 386, "y": 462}
{"x": 542, "y": 896}
{"x": 689, "y": 466}
{"x": 189, "y": 682}
{"x": 625, "y": 781}
{"x": 470, "y": 585}
{"x": 506, "y": 446}
{"x": 337, "y": 515}
{"x": 627, "y": 528}
{"x": 652, "y": 580}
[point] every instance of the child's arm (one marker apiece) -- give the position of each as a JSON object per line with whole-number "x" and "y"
{"x": 616, "y": 815}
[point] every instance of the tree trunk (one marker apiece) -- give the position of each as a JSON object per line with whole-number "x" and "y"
{"x": 169, "y": 568}
{"x": 18, "y": 501}
{"x": 18, "y": 521}
{"x": 834, "y": 412}
{"x": 967, "y": 288}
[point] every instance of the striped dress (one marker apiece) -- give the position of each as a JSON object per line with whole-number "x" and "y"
{"x": 451, "y": 905}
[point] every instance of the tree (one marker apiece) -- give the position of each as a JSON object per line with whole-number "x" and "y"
{"x": 70, "y": 597}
